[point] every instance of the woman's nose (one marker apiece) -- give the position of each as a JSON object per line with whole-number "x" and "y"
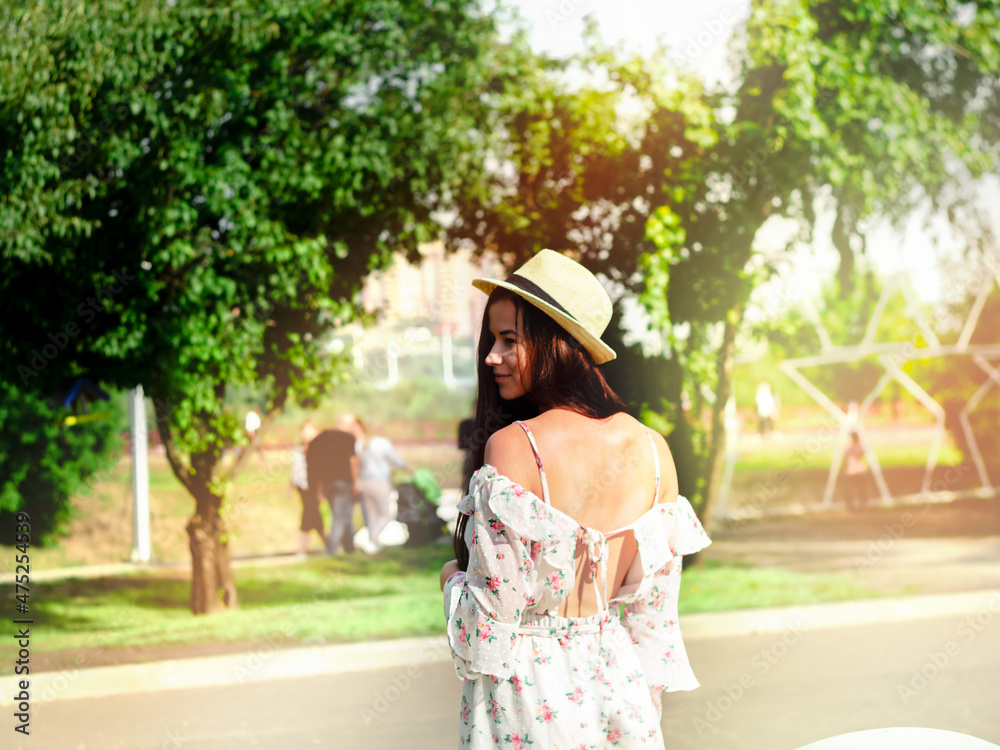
{"x": 493, "y": 359}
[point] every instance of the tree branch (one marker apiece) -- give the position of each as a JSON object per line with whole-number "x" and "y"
{"x": 176, "y": 464}
{"x": 241, "y": 461}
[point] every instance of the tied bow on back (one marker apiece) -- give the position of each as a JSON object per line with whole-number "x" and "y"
{"x": 598, "y": 553}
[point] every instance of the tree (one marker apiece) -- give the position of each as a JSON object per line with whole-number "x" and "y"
{"x": 44, "y": 461}
{"x": 194, "y": 193}
{"x": 866, "y": 109}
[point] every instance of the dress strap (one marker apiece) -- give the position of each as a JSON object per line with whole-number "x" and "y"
{"x": 656, "y": 465}
{"x": 538, "y": 461}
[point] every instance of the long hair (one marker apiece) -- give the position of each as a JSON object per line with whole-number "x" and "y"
{"x": 556, "y": 371}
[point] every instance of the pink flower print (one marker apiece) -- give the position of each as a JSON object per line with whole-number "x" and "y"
{"x": 465, "y": 714}
{"x": 493, "y": 584}
{"x": 614, "y": 735}
{"x": 497, "y": 525}
{"x": 576, "y": 696}
{"x": 518, "y": 741}
{"x": 563, "y": 641}
{"x": 545, "y": 714}
{"x": 516, "y": 682}
{"x": 555, "y": 580}
{"x": 536, "y": 550}
{"x": 485, "y": 632}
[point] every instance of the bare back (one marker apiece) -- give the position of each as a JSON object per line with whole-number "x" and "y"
{"x": 602, "y": 474}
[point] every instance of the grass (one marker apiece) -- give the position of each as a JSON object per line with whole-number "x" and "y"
{"x": 330, "y": 600}
{"x": 263, "y": 518}
{"x": 343, "y": 599}
{"x": 799, "y": 455}
{"x": 719, "y": 587}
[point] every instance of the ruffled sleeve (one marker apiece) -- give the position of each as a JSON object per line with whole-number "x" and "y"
{"x": 651, "y": 617}
{"x": 484, "y": 606}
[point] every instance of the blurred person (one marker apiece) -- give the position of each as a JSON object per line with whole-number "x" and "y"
{"x": 252, "y": 423}
{"x": 377, "y": 459}
{"x": 765, "y": 402}
{"x": 561, "y": 604}
{"x": 332, "y": 463}
{"x": 856, "y": 473}
{"x": 312, "y": 520}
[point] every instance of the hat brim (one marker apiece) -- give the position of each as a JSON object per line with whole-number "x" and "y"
{"x": 600, "y": 351}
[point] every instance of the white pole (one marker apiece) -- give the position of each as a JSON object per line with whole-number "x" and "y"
{"x": 141, "y": 549}
{"x": 447, "y": 357}
{"x": 732, "y": 424}
{"x": 392, "y": 352}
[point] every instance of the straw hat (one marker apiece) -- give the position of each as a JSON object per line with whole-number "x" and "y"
{"x": 566, "y": 292}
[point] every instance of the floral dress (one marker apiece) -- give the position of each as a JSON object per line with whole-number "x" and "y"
{"x": 533, "y": 678}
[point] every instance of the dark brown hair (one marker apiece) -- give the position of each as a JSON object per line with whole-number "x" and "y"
{"x": 556, "y": 371}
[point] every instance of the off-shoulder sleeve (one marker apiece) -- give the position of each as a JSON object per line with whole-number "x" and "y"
{"x": 651, "y": 618}
{"x": 483, "y": 606}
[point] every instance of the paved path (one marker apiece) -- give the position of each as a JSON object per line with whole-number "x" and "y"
{"x": 883, "y": 563}
{"x": 766, "y": 691}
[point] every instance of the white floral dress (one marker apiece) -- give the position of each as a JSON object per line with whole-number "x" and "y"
{"x": 533, "y": 678}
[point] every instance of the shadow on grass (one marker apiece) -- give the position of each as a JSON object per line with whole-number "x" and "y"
{"x": 66, "y": 605}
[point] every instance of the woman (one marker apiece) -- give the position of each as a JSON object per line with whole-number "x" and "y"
{"x": 311, "y": 518}
{"x": 574, "y": 512}
{"x": 378, "y": 458}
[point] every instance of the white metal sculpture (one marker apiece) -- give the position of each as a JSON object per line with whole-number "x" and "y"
{"x": 891, "y": 356}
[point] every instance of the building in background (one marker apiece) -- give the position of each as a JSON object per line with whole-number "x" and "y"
{"x": 428, "y": 318}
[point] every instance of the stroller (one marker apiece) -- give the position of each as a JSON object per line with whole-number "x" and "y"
{"x": 420, "y": 516}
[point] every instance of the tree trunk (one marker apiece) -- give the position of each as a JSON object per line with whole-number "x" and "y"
{"x": 212, "y": 585}
{"x": 716, "y": 454}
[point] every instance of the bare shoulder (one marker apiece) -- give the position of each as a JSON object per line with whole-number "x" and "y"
{"x": 668, "y": 472}
{"x": 509, "y": 452}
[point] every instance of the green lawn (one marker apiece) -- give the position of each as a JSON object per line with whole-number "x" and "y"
{"x": 343, "y": 599}
{"x": 799, "y": 456}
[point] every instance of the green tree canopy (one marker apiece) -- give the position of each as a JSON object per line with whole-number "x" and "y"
{"x": 192, "y": 194}
{"x": 867, "y": 110}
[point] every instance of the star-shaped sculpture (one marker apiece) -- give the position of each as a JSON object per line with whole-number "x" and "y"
{"x": 891, "y": 356}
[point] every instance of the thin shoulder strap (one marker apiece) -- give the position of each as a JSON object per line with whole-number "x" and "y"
{"x": 656, "y": 465}
{"x": 538, "y": 461}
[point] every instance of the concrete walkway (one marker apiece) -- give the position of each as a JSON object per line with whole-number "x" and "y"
{"x": 268, "y": 661}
